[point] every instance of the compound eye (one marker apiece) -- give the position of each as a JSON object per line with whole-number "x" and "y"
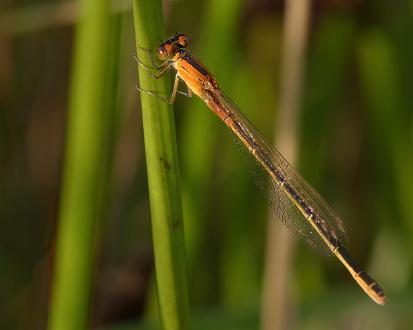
{"x": 183, "y": 40}
{"x": 162, "y": 52}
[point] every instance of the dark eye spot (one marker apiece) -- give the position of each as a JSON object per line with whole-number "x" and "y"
{"x": 161, "y": 50}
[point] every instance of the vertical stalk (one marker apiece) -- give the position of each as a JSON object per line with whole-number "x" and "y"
{"x": 84, "y": 161}
{"x": 280, "y": 245}
{"x": 163, "y": 175}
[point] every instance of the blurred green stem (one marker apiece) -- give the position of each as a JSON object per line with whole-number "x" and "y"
{"x": 163, "y": 176}
{"x": 275, "y": 310}
{"x": 84, "y": 162}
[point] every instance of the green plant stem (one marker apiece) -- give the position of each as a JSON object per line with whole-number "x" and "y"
{"x": 84, "y": 162}
{"x": 163, "y": 176}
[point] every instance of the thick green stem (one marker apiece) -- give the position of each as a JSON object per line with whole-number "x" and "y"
{"x": 163, "y": 175}
{"x": 84, "y": 161}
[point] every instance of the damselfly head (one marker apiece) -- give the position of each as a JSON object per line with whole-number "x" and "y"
{"x": 168, "y": 48}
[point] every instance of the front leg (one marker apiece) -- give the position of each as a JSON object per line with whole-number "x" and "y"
{"x": 159, "y": 71}
{"x": 173, "y": 95}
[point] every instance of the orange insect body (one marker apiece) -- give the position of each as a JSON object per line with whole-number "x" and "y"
{"x": 290, "y": 191}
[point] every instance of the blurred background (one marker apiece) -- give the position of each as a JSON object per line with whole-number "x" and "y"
{"x": 354, "y": 133}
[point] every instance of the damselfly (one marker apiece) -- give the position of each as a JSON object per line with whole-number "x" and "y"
{"x": 294, "y": 201}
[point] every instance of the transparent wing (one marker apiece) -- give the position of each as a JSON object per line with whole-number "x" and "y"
{"x": 282, "y": 204}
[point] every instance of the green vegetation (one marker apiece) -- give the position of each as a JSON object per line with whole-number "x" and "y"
{"x": 83, "y": 185}
{"x": 90, "y": 197}
{"x": 163, "y": 177}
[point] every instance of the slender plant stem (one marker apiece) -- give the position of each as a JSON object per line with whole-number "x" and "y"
{"x": 163, "y": 175}
{"x": 84, "y": 161}
{"x": 280, "y": 244}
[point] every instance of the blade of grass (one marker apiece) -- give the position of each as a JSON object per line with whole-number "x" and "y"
{"x": 276, "y": 310}
{"x": 163, "y": 176}
{"x": 84, "y": 162}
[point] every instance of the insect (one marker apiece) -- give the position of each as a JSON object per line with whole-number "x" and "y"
{"x": 295, "y": 202}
